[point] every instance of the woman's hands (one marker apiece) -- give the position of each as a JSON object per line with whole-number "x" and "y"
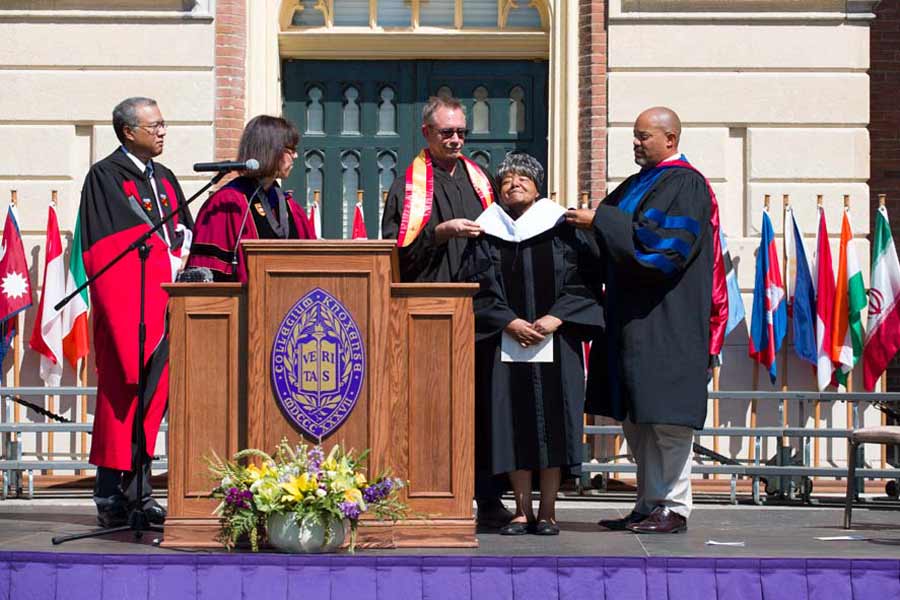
{"x": 546, "y": 324}
{"x": 528, "y": 334}
{"x": 523, "y": 332}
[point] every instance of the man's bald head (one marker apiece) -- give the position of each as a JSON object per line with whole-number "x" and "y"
{"x": 657, "y": 132}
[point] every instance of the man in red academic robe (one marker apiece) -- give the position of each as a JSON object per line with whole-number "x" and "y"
{"x": 124, "y": 195}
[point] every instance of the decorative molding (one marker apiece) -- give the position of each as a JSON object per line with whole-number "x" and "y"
{"x": 740, "y": 10}
{"x": 507, "y": 5}
{"x": 105, "y": 15}
{"x": 364, "y": 43}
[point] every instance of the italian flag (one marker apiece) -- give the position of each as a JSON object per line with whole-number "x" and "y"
{"x": 75, "y": 313}
{"x": 849, "y": 301}
{"x": 883, "y": 339}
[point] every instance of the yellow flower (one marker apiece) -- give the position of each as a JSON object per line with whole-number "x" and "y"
{"x": 256, "y": 473}
{"x": 299, "y": 486}
{"x": 353, "y": 495}
{"x": 360, "y": 480}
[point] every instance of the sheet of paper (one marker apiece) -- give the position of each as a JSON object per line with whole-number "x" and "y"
{"x": 512, "y": 351}
{"x": 735, "y": 544}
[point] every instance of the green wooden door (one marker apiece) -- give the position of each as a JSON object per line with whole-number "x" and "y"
{"x": 360, "y": 124}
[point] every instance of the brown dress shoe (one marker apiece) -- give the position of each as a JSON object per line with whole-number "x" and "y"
{"x": 661, "y": 520}
{"x": 623, "y": 523}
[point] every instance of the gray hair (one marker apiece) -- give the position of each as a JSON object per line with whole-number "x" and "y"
{"x": 125, "y": 114}
{"x": 522, "y": 163}
{"x": 436, "y": 102}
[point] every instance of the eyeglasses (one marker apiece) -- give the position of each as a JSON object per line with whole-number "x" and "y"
{"x": 154, "y": 127}
{"x": 291, "y": 149}
{"x": 447, "y": 132}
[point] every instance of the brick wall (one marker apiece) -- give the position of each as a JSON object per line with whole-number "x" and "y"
{"x": 884, "y": 126}
{"x": 592, "y": 98}
{"x": 231, "y": 27}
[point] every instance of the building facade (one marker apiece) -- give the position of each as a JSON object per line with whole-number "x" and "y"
{"x": 776, "y": 96}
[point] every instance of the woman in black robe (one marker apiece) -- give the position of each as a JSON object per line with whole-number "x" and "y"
{"x": 532, "y": 306}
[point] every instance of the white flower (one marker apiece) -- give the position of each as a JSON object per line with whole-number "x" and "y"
{"x": 321, "y": 493}
{"x": 226, "y": 482}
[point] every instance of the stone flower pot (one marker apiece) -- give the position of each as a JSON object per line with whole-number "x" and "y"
{"x": 307, "y": 536}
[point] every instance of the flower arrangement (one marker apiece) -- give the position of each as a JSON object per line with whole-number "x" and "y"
{"x": 301, "y": 481}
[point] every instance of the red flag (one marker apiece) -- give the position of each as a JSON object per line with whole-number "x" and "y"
{"x": 15, "y": 284}
{"x": 359, "y": 224}
{"x": 824, "y": 304}
{"x": 46, "y": 337}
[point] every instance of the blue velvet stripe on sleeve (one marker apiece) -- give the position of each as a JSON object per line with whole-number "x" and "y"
{"x": 656, "y": 260}
{"x": 666, "y": 222}
{"x": 653, "y": 242}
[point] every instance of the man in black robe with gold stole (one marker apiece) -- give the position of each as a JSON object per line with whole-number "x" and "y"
{"x": 431, "y": 212}
{"x": 655, "y": 236}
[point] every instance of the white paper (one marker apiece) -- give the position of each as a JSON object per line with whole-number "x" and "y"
{"x": 735, "y": 544}
{"x": 512, "y": 351}
{"x": 843, "y": 538}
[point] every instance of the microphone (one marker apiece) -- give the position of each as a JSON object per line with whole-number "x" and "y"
{"x": 227, "y": 165}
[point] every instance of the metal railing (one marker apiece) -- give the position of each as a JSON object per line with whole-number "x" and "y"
{"x": 783, "y": 475}
{"x": 13, "y": 461}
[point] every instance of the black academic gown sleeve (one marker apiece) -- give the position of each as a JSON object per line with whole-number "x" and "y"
{"x": 656, "y": 245}
{"x": 577, "y": 265}
{"x": 481, "y": 265}
{"x": 418, "y": 259}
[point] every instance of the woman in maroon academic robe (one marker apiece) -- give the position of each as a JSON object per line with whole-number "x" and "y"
{"x": 252, "y": 206}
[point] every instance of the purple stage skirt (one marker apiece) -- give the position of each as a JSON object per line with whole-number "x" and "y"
{"x": 25, "y": 575}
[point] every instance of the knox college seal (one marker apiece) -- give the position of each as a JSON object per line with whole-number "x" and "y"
{"x": 318, "y": 363}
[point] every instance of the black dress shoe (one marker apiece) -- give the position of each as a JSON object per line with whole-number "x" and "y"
{"x": 661, "y": 520}
{"x": 493, "y": 515}
{"x": 112, "y": 518}
{"x": 623, "y": 523}
{"x": 156, "y": 514}
{"x": 546, "y": 528}
{"x": 516, "y": 528}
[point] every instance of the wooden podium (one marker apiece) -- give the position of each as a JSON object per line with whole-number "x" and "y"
{"x": 415, "y": 408}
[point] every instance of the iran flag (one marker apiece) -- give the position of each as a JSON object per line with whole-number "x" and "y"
{"x": 883, "y": 339}
{"x": 47, "y": 335}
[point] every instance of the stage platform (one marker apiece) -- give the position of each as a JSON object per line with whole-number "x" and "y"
{"x": 781, "y": 558}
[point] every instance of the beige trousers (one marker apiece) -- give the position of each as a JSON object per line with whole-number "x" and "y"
{"x": 663, "y": 456}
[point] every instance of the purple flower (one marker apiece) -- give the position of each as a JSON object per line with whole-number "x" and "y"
{"x": 314, "y": 459}
{"x": 378, "y": 491}
{"x": 238, "y": 498}
{"x": 350, "y": 510}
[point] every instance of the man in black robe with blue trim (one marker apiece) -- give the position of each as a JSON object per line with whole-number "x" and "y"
{"x": 655, "y": 237}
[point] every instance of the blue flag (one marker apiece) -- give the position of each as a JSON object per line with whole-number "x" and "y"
{"x": 768, "y": 322}
{"x": 803, "y": 299}
{"x": 736, "y": 311}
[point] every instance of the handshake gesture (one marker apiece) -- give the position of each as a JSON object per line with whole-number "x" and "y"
{"x": 528, "y": 334}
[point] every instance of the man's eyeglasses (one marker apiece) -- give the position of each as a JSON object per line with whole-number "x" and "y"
{"x": 154, "y": 127}
{"x": 447, "y": 132}
{"x": 291, "y": 149}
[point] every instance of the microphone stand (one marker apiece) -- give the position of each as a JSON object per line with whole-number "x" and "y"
{"x": 138, "y": 521}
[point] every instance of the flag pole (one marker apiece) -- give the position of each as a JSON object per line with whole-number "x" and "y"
{"x": 817, "y": 407}
{"x": 766, "y": 201}
{"x": 786, "y": 202}
{"x": 82, "y": 401}
{"x": 851, "y": 422}
{"x": 17, "y": 340}
{"x": 51, "y": 401}
{"x": 715, "y": 379}
{"x": 882, "y": 200}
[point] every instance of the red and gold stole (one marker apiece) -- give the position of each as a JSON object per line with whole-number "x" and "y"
{"x": 420, "y": 194}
